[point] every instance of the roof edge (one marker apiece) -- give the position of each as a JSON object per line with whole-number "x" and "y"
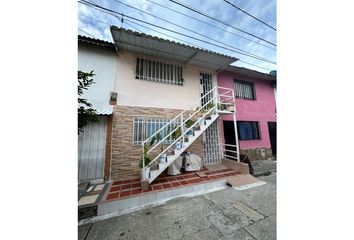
{"x": 249, "y": 72}
{"x": 96, "y": 42}
{"x": 141, "y": 34}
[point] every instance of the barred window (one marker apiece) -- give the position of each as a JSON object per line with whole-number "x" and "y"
{"x": 248, "y": 130}
{"x": 144, "y": 128}
{"x": 158, "y": 72}
{"x": 244, "y": 90}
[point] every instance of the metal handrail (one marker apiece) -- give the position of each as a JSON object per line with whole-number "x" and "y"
{"x": 180, "y": 115}
{"x": 184, "y": 132}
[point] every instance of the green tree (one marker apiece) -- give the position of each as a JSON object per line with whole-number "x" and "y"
{"x": 86, "y": 114}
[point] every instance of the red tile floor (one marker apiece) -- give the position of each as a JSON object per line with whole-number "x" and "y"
{"x": 132, "y": 187}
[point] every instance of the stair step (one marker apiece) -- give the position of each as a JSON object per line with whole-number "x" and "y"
{"x": 188, "y": 140}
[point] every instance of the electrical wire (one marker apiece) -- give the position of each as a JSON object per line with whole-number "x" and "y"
{"x": 177, "y": 25}
{"x": 205, "y": 15}
{"x": 127, "y": 22}
{"x": 250, "y": 15}
{"x": 196, "y": 19}
{"x": 112, "y": 11}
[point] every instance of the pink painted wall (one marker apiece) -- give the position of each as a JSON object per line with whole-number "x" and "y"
{"x": 261, "y": 110}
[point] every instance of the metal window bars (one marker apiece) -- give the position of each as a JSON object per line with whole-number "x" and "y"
{"x": 158, "y": 72}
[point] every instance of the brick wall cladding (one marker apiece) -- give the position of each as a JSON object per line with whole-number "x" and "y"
{"x": 107, "y": 162}
{"x": 125, "y": 156}
{"x": 255, "y": 153}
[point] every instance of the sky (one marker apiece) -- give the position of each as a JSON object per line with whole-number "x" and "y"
{"x": 96, "y": 23}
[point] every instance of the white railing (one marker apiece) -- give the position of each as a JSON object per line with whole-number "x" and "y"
{"x": 226, "y": 152}
{"x": 215, "y": 99}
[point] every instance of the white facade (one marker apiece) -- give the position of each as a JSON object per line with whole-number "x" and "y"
{"x": 103, "y": 62}
{"x": 92, "y": 142}
{"x": 145, "y": 93}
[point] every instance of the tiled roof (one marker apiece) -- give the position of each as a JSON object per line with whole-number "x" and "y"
{"x": 96, "y": 42}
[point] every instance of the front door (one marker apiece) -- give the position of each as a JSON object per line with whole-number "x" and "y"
{"x": 206, "y": 84}
{"x": 272, "y": 127}
{"x": 92, "y": 150}
{"x": 229, "y": 136}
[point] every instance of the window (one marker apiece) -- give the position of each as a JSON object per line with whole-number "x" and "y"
{"x": 248, "y": 130}
{"x": 146, "y": 127}
{"x": 244, "y": 90}
{"x": 158, "y": 72}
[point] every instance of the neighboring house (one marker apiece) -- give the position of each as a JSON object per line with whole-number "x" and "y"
{"x": 156, "y": 80}
{"x": 256, "y": 111}
{"x": 94, "y": 144}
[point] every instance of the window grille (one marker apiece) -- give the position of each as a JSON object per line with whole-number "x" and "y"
{"x": 206, "y": 84}
{"x": 144, "y": 128}
{"x": 158, "y": 72}
{"x": 248, "y": 130}
{"x": 244, "y": 90}
{"x": 211, "y": 145}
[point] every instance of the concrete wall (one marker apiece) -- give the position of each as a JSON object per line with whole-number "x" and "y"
{"x": 262, "y": 109}
{"x": 103, "y": 62}
{"x": 144, "y": 93}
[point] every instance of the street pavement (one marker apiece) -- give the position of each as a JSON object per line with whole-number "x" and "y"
{"x": 224, "y": 214}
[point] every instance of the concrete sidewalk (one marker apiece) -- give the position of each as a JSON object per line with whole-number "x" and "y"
{"x": 225, "y": 214}
{"x": 263, "y": 167}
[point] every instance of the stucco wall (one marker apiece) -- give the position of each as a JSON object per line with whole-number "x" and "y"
{"x": 262, "y": 109}
{"x": 144, "y": 93}
{"x": 103, "y": 62}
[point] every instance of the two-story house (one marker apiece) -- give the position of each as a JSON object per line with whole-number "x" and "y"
{"x": 156, "y": 80}
{"x": 171, "y": 98}
{"x": 94, "y": 144}
{"x": 256, "y": 111}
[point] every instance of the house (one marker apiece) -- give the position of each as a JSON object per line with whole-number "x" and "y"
{"x": 156, "y": 80}
{"x": 159, "y": 86}
{"x": 256, "y": 111}
{"x": 169, "y": 98}
{"x": 94, "y": 144}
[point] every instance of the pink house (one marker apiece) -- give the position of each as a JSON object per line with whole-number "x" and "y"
{"x": 256, "y": 111}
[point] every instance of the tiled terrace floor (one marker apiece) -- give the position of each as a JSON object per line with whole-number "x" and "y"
{"x": 132, "y": 187}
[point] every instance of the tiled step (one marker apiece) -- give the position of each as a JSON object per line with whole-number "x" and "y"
{"x": 127, "y": 188}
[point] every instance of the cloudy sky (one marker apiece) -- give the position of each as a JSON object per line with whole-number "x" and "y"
{"x": 95, "y": 23}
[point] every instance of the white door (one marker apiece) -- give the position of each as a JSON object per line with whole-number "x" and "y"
{"x": 91, "y": 150}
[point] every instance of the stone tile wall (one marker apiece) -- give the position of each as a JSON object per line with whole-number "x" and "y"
{"x": 125, "y": 156}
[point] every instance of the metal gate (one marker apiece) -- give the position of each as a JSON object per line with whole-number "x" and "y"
{"x": 211, "y": 135}
{"x": 91, "y": 150}
{"x": 211, "y": 145}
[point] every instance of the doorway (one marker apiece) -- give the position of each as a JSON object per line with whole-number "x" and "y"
{"x": 272, "y": 128}
{"x": 206, "y": 84}
{"x": 229, "y": 136}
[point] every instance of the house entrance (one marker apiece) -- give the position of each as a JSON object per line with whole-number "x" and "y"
{"x": 211, "y": 135}
{"x": 206, "y": 84}
{"x": 272, "y": 128}
{"x": 91, "y": 150}
{"x": 229, "y": 136}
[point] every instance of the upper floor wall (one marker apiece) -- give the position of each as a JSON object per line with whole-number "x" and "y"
{"x": 103, "y": 62}
{"x": 145, "y": 93}
{"x": 263, "y": 107}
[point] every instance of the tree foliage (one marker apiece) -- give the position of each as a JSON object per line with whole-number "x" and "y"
{"x": 86, "y": 114}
